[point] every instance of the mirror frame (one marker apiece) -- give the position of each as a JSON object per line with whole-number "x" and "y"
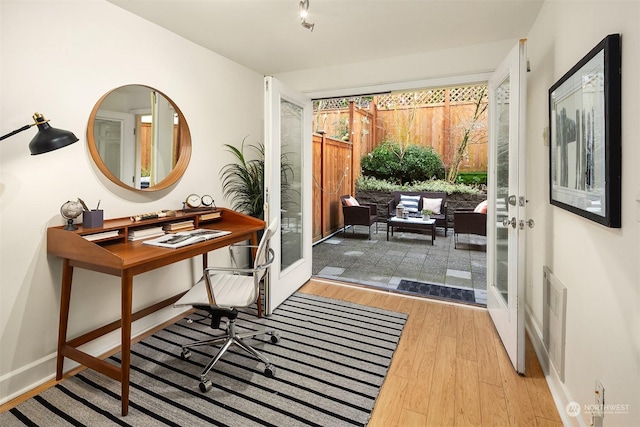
{"x": 184, "y": 154}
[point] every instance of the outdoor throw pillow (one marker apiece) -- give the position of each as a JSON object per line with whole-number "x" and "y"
{"x": 481, "y": 208}
{"x": 351, "y": 202}
{"x": 410, "y": 203}
{"x": 432, "y": 204}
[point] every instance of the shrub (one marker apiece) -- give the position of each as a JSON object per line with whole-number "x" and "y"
{"x": 420, "y": 164}
{"x": 390, "y": 162}
{"x": 472, "y": 178}
{"x": 382, "y": 163}
{"x": 373, "y": 184}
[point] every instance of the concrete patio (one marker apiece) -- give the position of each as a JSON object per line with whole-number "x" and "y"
{"x": 351, "y": 257}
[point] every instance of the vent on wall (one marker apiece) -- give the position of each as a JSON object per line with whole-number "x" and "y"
{"x": 553, "y": 323}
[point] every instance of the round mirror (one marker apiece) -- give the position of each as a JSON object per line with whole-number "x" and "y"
{"x": 139, "y": 138}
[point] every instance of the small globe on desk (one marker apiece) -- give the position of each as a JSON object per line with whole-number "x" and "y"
{"x": 70, "y": 211}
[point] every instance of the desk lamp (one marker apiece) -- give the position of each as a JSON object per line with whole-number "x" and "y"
{"x": 47, "y": 139}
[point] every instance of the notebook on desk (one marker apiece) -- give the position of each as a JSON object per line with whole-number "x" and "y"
{"x": 185, "y": 238}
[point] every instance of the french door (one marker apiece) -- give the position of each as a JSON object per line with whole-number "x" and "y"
{"x": 288, "y": 151}
{"x": 507, "y": 203}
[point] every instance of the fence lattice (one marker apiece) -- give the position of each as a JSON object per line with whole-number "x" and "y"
{"x": 431, "y": 97}
{"x": 342, "y": 103}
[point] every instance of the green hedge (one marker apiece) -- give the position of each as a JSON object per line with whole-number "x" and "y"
{"x": 373, "y": 184}
{"x": 472, "y": 178}
{"x": 389, "y": 162}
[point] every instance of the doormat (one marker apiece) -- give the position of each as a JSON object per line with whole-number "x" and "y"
{"x": 438, "y": 291}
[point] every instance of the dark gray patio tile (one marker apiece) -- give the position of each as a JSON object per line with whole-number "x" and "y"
{"x": 416, "y": 255}
{"x": 459, "y": 264}
{"x": 436, "y": 259}
{"x": 458, "y": 282}
{"x": 430, "y": 277}
{"x": 406, "y": 267}
{"x": 396, "y": 253}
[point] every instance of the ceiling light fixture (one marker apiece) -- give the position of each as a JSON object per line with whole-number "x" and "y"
{"x": 304, "y": 8}
{"x": 304, "y": 12}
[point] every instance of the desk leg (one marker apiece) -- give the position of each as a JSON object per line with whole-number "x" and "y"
{"x": 65, "y": 300}
{"x": 125, "y": 366}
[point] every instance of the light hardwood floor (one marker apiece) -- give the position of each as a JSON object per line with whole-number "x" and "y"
{"x": 450, "y": 368}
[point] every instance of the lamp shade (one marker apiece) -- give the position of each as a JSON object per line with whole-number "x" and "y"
{"x": 49, "y": 138}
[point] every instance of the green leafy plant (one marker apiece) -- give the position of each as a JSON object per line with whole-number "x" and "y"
{"x": 472, "y": 178}
{"x": 243, "y": 181}
{"x": 390, "y": 161}
{"x": 367, "y": 183}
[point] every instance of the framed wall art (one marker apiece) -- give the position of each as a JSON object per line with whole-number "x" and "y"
{"x": 585, "y": 127}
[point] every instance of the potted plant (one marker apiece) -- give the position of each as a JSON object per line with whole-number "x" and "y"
{"x": 426, "y": 214}
{"x": 243, "y": 181}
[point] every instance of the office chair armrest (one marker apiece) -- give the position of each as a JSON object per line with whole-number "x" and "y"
{"x": 238, "y": 245}
{"x": 242, "y": 245}
{"x": 229, "y": 269}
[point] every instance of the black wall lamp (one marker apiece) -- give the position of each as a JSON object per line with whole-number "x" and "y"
{"x": 47, "y": 139}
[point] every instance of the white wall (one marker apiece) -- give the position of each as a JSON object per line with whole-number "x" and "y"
{"x": 599, "y": 266}
{"x": 59, "y": 58}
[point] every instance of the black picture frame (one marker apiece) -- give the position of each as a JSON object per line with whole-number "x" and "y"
{"x": 584, "y": 134}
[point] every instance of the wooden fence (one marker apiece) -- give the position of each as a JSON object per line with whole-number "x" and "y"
{"x": 332, "y": 177}
{"x": 439, "y": 124}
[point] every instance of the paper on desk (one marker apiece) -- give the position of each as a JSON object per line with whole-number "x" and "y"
{"x": 185, "y": 238}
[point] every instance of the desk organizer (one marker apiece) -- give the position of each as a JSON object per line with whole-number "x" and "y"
{"x": 93, "y": 219}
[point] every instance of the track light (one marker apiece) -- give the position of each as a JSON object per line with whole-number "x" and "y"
{"x": 304, "y": 13}
{"x": 304, "y": 9}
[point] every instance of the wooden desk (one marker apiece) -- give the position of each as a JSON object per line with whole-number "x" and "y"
{"x": 118, "y": 256}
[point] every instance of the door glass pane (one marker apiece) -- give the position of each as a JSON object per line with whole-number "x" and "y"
{"x": 291, "y": 150}
{"x": 501, "y": 279}
{"x": 108, "y": 137}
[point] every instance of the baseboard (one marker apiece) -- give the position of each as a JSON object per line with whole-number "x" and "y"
{"x": 559, "y": 392}
{"x": 34, "y": 374}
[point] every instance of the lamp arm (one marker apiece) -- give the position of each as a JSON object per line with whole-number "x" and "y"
{"x": 25, "y": 127}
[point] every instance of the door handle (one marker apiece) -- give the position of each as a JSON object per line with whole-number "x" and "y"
{"x": 512, "y": 223}
{"x": 531, "y": 223}
{"x": 512, "y": 200}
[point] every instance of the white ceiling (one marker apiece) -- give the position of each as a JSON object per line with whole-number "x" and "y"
{"x": 266, "y": 35}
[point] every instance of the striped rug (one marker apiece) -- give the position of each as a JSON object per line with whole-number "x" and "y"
{"x": 331, "y": 361}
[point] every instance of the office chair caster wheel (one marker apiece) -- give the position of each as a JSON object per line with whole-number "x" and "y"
{"x": 185, "y": 354}
{"x": 205, "y": 386}
{"x": 270, "y": 371}
{"x": 275, "y": 338}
